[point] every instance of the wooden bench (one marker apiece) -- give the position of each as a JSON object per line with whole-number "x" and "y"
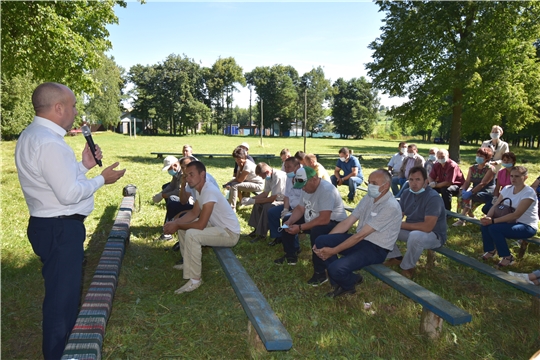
{"x": 435, "y": 308}
{"x": 497, "y": 274}
{"x": 359, "y": 156}
{"x": 211, "y": 156}
{"x": 86, "y": 338}
{"x": 524, "y": 242}
{"x": 271, "y": 331}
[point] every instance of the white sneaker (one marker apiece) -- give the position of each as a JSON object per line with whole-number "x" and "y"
{"x": 459, "y": 223}
{"x": 521, "y": 276}
{"x": 179, "y": 267}
{"x": 188, "y": 287}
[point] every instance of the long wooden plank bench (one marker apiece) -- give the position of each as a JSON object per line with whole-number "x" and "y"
{"x": 211, "y": 156}
{"x": 495, "y": 273}
{"x": 435, "y": 308}
{"x": 524, "y": 242}
{"x": 271, "y": 331}
{"x": 86, "y": 339}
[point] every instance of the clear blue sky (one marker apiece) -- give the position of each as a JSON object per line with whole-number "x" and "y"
{"x": 303, "y": 35}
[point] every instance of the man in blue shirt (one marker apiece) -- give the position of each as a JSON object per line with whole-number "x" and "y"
{"x": 352, "y": 172}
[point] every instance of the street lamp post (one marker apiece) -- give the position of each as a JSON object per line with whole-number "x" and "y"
{"x": 250, "y": 122}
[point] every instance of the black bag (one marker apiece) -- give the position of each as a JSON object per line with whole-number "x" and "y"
{"x": 501, "y": 210}
{"x": 129, "y": 190}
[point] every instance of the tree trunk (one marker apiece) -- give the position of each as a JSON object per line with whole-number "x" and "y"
{"x": 455, "y": 132}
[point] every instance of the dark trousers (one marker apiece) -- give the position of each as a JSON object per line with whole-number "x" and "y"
{"x": 59, "y": 244}
{"x": 174, "y": 206}
{"x": 314, "y": 233}
{"x": 340, "y": 270}
{"x": 446, "y": 194}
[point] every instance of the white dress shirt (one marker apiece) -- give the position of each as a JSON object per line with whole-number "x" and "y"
{"x": 52, "y": 181}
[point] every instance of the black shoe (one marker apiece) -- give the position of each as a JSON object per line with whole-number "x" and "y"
{"x": 317, "y": 279}
{"x": 339, "y": 291}
{"x": 176, "y": 247}
{"x": 257, "y": 239}
{"x": 298, "y": 251}
{"x": 286, "y": 260}
{"x": 180, "y": 262}
{"x": 275, "y": 242}
{"x": 252, "y": 234}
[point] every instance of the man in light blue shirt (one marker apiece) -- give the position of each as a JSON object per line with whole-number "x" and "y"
{"x": 352, "y": 172}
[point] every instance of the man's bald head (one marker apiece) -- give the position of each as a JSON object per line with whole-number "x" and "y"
{"x": 46, "y": 95}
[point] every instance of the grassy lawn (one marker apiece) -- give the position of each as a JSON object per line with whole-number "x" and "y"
{"x": 150, "y": 322}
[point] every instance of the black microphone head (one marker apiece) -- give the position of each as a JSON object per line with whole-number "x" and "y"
{"x": 86, "y": 130}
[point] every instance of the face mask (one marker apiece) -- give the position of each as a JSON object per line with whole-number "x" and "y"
{"x": 432, "y": 157}
{"x": 479, "y": 160}
{"x": 507, "y": 165}
{"x": 172, "y": 172}
{"x": 269, "y": 177}
{"x": 495, "y": 135}
{"x": 411, "y": 155}
{"x": 403, "y": 150}
{"x": 417, "y": 192}
{"x": 441, "y": 161}
{"x": 373, "y": 191}
{"x": 290, "y": 175}
{"x": 342, "y": 159}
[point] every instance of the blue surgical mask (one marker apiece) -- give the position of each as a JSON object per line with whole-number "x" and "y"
{"x": 432, "y": 158}
{"x": 269, "y": 177}
{"x": 417, "y": 192}
{"x": 507, "y": 165}
{"x": 479, "y": 160}
{"x": 373, "y": 191}
{"x": 290, "y": 175}
{"x": 172, "y": 172}
{"x": 442, "y": 161}
{"x": 495, "y": 135}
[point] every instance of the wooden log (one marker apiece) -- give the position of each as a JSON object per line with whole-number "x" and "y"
{"x": 430, "y": 324}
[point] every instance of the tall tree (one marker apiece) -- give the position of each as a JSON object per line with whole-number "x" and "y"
{"x": 354, "y": 108}
{"x": 277, "y": 87}
{"x": 316, "y": 89}
{"x": 104, "y": 106}
{"x": 473, "y": 60}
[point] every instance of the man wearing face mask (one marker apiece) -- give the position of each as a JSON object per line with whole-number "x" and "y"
{"x": 413, "y": 159}
{"x": 497, "y": 146}
{"x": 446, "y": 178}
{"x": 320, "y": 210}
{"x": 428, "y": 165}
{"x": 379, "y": 222}
{"x": 425, "y": 224}
{"x": 272, "y": 195}
{"x": 352, "y": 172}
{"x": 395, "y": 164}
{"x": 291, "y": 199}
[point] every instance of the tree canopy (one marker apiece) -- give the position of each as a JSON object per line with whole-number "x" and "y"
{"x": 473, "y": 60}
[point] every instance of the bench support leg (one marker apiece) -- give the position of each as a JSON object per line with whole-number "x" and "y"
{"x": 522, "y": 249}
{"x": 430, "y": 324}
{"x": 254, "y": 339}
{"x": 536, "y": 306}
{"x": 430, "y": 259}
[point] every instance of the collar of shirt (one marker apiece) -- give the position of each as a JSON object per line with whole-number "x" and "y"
{"x": 50, "y": 125}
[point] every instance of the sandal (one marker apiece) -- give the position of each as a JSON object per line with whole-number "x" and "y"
{"x": 488, "y": 255}
{"x": 506, "y": 261}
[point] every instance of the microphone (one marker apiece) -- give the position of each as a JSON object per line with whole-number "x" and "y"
{"x": 88, "y": 135}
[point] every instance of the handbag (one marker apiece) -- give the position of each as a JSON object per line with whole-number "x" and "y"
{"x": 501, "y": 210}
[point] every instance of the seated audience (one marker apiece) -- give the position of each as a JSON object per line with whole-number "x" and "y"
{"x": 272, "y": 195}
{"x": 498, "y": 147}
{"x": 311, "y": 161}
{"x": 379, "y": 222}
{"x": 425, "y": 223}
{"x": 394, "y": 165}
{"x": 428, "y": 165}
{"x": 284, "y": 155}
{"x": 532, "y": 278}
{"x": 520, "y": 224}
{"x": 300, "y": 155}
{"x": 352, "y": 172}
{"x": 245, "y": 180}
{"x": 282, "y": 212}
{"x": 320, "y": 210}
{"x": 536, "y": 187}
{"x": 446, "y": 178}
{"x": 412, "y": 160}
{"x": 211, "y": 222}
{"x": 502, "y": 179}
{"x": 482, "y": 178}
{"x": 244, "y": 146}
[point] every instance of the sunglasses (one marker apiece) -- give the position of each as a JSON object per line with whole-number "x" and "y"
{"x": 300, "y": 181}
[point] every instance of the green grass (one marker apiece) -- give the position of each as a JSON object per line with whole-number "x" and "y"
{"x": 150, "y": 322}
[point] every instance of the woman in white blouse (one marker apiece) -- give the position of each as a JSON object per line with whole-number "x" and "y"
{"x": 246, "y": 179}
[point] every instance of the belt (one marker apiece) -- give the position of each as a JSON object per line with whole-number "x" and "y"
{"x": 77, "y": 217}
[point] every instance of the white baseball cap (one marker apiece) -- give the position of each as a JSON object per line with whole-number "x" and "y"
{"x": 169, "y": 160}
{"x": 245, "y": 144}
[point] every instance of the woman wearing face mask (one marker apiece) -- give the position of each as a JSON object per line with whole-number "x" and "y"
{"x": 498, "y": 147}
{"x": 503, "y": 178}
{"x": 482, "y": 178}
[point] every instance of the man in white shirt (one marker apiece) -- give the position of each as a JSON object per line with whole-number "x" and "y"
{"x": 59, "y": 198}
{"x": 394, "y": 165}
{"x": 274, "y": 184}
{"x": 211, "y": 222}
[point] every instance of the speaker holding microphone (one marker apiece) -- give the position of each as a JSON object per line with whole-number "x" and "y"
{"x": 88, "y": 136}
